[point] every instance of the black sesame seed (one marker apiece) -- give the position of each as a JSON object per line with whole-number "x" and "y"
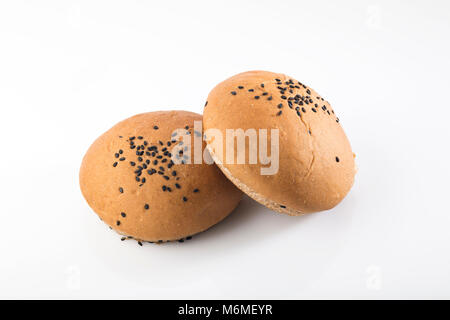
{"x": 279, "y": 113}
{"x": 256, "y": 97}
{"x": 283, "y": 97}
{"x": 233, "y": 93}
{"x": 337, "y": 159}
{"x": 140, "y": 243}
{"x": 118, "y": 222}
{"x": 123, "y": 214}
{"x": 188, "y": 238}
{"x": 241, "y": 87}
{"x": 122, "y": 159}
{"x": 280, "y": 106}
{"x": 121, "y": 190}
{"x": 115, "y": 164}
{"x": 177, "y": 186}
{"x": 196, "y": 190}
{"x": 250, "y": 90}
{"x": 155, "y": 127}
{"x": 281, "y": 206}
{"x": 146, "y": 207}
{"x": 185, "y": 199}
{"x": 174, "y": 173}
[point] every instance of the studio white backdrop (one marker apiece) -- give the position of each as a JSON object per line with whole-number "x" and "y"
{"x": 69, "y": 70}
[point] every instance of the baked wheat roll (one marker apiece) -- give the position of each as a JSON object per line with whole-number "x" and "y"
{"x": 129, "y": 178}
{"x": 316, "y": 165}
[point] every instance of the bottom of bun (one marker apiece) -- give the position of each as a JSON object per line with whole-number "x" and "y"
{"x": 161, "y": 241}
{"x": 252, "y": 193}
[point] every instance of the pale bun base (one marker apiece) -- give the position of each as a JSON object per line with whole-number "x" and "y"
{"x": 252, "y": 193}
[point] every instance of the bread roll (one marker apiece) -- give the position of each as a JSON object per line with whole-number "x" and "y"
{"x": 316, "y": 164}
{"x": 129, "y": 179}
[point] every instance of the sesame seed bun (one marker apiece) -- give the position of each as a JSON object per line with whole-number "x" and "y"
{"x": 316, "y": 163}
{"x": 129, "y": 179}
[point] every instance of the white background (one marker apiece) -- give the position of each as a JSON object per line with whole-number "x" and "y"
{"x": 70, "y": 70}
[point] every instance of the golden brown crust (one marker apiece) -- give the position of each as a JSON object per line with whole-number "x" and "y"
{"x": 196, "y": 198}
{"x": 316, "y": 163}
